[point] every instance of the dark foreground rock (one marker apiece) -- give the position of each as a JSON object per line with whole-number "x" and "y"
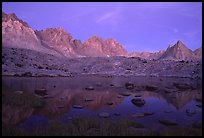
{"x": 129, "y": 85}
{"x": 151, "y": 88}
{"x": 41, "y": 92}
{"x": 78, "y": 106}
{"x": 138, "y": 102}
{"x": 183, "y": 86}
{"x": 124, "y": 94}
{"x": 110, "y": 103}
{"x": 89, "y": 88}
{"x": 168, "y": 122}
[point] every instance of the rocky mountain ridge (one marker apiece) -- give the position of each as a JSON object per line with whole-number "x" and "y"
{"x": 56, "y": 41}
{"x": 178, "y": 52}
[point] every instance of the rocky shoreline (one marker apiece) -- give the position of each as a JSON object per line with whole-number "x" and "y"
{"x": 23, "y": 62}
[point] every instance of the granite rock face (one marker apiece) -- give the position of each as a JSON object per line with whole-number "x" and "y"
{"x": 58, "y": 40}
{"x": 178, "y": 52}
{"x": 198, "y": 53}
{"x": 113, "y": 48}
{"x": 54, "y": 52}
{"x": 55, "y": 41}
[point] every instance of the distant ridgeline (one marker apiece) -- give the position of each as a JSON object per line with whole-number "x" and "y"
{"x": 55, "y": 41}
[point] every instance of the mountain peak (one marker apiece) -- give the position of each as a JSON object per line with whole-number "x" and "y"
{"x": 110, "y": 39}
{"x": 177, "y": 52}
{"x": 95, "y": 38}
{"x": 55, "y": 36}
{"x": 179, "y": 41}
{"x": 59, "y": 29}
{"x": 112, "y": 47}
{"x": 12, "y": 17}
{"x": 180, "y": 44}
{"x": 6, "y": 17}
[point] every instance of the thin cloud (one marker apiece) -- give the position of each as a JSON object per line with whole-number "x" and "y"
{"x": 106, "y": 16}
{"x": 112, "y": 17}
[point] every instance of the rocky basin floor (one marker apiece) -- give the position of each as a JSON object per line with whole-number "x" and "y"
{"x": 22, "y": 62}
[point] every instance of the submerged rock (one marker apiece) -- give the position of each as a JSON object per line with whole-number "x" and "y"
{"x": 167, "y": 90}
{"x": 104, "y": 115}
{"x": 18, "y": 92}
{"x": 78, "y": 106}
{"x": 182, "y": 87}
{"x": 148, "y": 113}
{"x": 129, "y": 85}
{"x": 88, "y": 99}
{"x": 168, "y": 122}
{"x": 110, "y": 103}
{"x": 124, "y": 94}
{"x": 138, "y": 95}
{"x": 41, "y": 92}
{"x": 112, "y": 85}
{"x": 199, "y": 105}
{"x": 89, "y": 88}
{"x": 151, "y": 88}
{"x": 138, "y": 102}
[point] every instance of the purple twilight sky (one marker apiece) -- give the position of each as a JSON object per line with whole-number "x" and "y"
{"x": 138, "y": 26}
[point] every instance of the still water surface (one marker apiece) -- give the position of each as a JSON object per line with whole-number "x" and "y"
{"x": 64, "y": 92}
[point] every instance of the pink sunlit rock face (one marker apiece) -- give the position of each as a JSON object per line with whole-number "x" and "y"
{"x": 178, "y": 52}
{"x": 54, "y": 52}
{"x": 56, "y": 41}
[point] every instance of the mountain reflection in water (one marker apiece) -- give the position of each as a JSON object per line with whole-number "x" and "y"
{"x": 64, "y": 92}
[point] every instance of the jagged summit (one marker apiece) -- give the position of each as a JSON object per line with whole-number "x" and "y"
{"x": 180, "y": 44}
{"x": 112, "y": 47}
{"x": 109, "y": 47}
{"x": 56, "y": 41}
{"x": 93, "y": 46}
{"x": 94, "y": 39}
{"x": 179, "y": 41}
{"x": 12, "y": 17}
{"x": 178, "y": 52}
{"x": 198, "y": 53}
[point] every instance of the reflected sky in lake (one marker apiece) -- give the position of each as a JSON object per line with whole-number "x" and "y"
{"x": 65, "y": 92}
